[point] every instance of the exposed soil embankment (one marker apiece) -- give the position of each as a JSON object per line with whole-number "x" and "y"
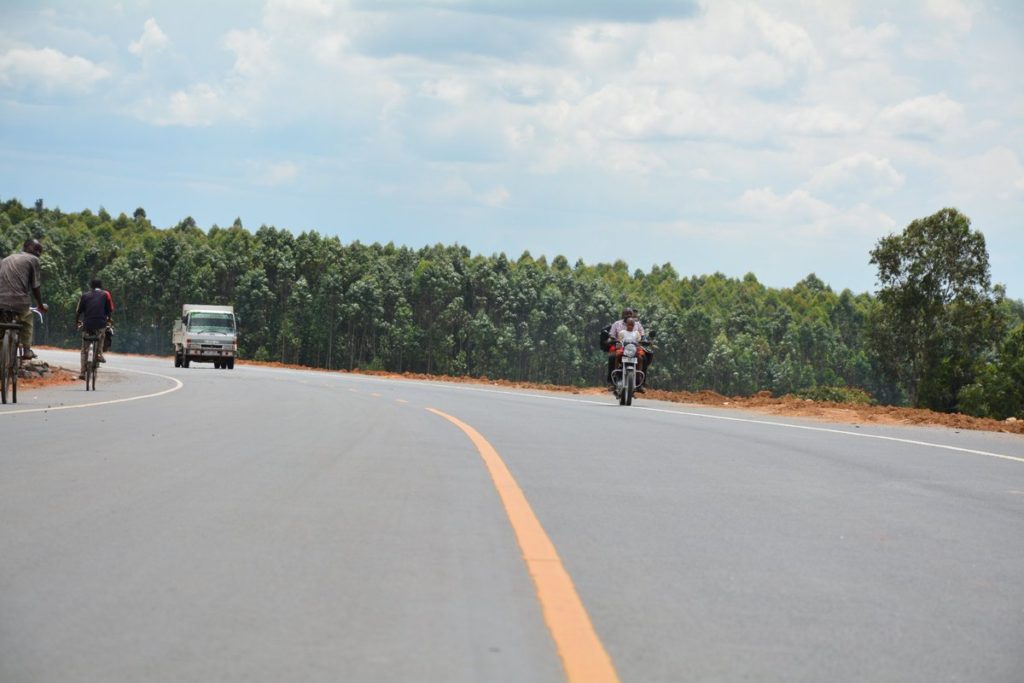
{"x": 843, "y": 412}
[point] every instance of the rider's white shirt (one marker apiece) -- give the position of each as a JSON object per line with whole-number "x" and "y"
{"x": 625, "y": 336}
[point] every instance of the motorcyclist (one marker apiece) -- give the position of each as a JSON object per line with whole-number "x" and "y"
{"x": 620, "y": 324}
{"x": 20, "y": 280}
{"x": 630, "y": 333}
{"x": 610, "y": 335}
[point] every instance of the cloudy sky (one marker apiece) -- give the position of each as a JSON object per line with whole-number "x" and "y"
{"x": 780, "y": 137}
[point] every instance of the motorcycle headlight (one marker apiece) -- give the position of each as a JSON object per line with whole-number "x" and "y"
{"x": 629, "y": 351}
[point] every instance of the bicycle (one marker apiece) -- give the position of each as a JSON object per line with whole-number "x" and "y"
{"x": 9, "y": 361}
{"x": 92, "y": 362}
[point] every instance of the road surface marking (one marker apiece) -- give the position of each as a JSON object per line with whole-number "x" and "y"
{"x": 400, "y": 400}
{"x": 177, "y": 382}
{"x": 568, "y": 399}
{"x": 583, "y": 656}
{"x": 838, "y": 431}
{"x": 769, "y": 423}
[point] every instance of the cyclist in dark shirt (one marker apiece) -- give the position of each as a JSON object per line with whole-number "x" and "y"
{"x": 92, "y": 317}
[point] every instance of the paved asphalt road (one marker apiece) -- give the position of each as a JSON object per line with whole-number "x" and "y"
{"x": 265, "y": 524}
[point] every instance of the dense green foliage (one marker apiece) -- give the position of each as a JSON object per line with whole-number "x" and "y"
{"x": 998, "y": 390}
{"x": 313, "y": 300}
{"x": 938, "y": 313}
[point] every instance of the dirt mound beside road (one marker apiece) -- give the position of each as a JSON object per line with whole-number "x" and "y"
{"x": 35, "y": 374}
{"x": 764, "y": 402}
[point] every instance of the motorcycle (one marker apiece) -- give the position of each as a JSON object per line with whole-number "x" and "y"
{"x": 628, "y": 375}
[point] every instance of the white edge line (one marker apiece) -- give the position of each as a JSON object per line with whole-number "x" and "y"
{"x": 839, "y": 431}
{"x": 176, "y": 381}
{"x": 460, "y": 387}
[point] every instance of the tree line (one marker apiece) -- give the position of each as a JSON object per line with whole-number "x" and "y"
{"x": 937, "y": 334}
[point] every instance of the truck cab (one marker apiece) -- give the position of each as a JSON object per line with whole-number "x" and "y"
{"x": 205, "y": 334}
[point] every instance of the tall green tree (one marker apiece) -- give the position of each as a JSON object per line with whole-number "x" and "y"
{"x": 937, "y": 312}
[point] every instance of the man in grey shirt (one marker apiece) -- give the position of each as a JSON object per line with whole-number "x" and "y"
{"x": 20, "y": 279}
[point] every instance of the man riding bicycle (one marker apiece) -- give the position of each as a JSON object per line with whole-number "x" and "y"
{"x": 92, "y": 317}
{"x": 20, "y": 280}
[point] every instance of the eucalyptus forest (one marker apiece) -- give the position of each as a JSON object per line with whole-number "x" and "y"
{"x": 937, "y": 333}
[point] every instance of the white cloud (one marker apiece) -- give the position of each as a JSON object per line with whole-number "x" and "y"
{"x": 839, "y": 113}
{"x": 520, "y": 136}
{"x": 798, "y": 203}
{"x": 276, "y": 173}
{"x": 926, "y": 116}
{"x": 801, "y": 214}
{"x": 788, "y": 39}
{"x": 50, "y": 70}
{"x": 632, "y": 159}
{"x": 252, "y": 50}
{"x": 996, "y": 174}
{"x": 329, "y": 48}
{"x": 698, "y": 78}
{"x": 860, "y": 42}
{"x": 821, "y": 120}
{"x": 152, "y": 39}
{"x": 602, "y": 46}
{"x": 459, "y": 189}
{"x": 199, "y": 105}
{"x": 862, "y": 174}
{"x": 496, "y": 197}
{"x": 307, "y": 8}
{"x": 703, "y": 175}
{"x": 450, "y": 90}
{"x": 954, "y": 13}
{"x": 730, "y": 46}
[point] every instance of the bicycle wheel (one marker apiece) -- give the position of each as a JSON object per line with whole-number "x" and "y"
{"x": 95, "y": 365}
{"x": 90, "y": 366}
{"x": 4, "y": 359}
{"x": 12, "y": 367}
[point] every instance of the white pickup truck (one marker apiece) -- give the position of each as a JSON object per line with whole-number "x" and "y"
{"x": 205, "y": 334}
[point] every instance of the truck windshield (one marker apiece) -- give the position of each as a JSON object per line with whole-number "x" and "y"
{"x": 211, "y": 322}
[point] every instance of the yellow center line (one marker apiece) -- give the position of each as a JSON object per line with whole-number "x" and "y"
{"x": 400, "y": 400}
{"x": 583, "y": 656}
